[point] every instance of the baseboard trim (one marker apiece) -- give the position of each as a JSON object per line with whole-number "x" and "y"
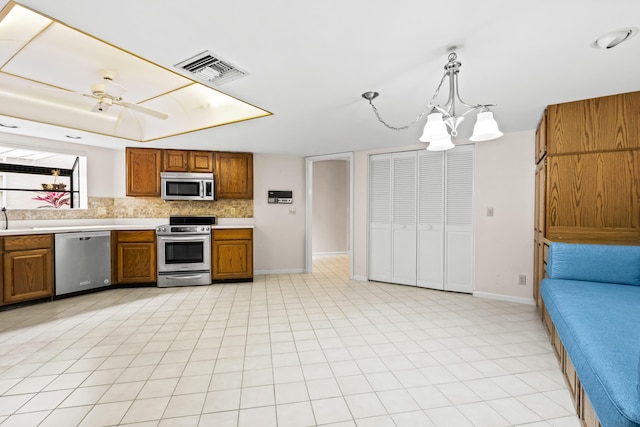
{"x": 292, "y": 271}
{"x": 360, "y": 278}
{"x": 519, "y": 300}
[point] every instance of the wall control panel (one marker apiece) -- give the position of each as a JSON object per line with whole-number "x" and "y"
{"x": 283, "y": 197}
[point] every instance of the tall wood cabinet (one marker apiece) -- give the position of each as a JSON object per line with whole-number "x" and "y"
{"x": 27, "y": 267}
{"x": 588, "y": 183}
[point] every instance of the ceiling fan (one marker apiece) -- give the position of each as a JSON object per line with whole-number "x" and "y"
{"x": 109, "y": 93}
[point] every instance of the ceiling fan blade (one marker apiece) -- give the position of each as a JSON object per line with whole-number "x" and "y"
{"x": 144, "y": 110}
{"x": 114, "y": 89}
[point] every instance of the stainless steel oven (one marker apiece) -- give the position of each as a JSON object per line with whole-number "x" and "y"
{"x": 184, "y": 254}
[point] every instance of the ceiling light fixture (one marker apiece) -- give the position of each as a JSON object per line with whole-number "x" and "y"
{"x": 614, "y": 38}
{"x": 442, "y": 116}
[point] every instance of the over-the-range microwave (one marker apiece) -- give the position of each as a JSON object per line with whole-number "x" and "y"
{"x": 187, "y": 186}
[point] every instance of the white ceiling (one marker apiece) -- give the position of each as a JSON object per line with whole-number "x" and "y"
{"x": 309, "y": 62}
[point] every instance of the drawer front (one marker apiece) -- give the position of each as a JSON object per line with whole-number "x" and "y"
{"x": 233, "y": 234}
{"x": 28, "y": 242}
{"x": 135, "y": 236}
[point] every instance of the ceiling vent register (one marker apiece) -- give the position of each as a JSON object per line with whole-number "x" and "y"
{"x": 208, "y": 67}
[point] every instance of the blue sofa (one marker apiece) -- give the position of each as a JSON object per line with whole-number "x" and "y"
{"x": 592, "y": 295}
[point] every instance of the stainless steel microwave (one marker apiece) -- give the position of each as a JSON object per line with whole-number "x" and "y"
{"x": 187, "y": 186}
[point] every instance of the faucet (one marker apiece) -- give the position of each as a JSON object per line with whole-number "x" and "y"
{"x": 6, "y": 220}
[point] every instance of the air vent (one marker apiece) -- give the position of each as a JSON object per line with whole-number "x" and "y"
{"x": 208, "y": 67}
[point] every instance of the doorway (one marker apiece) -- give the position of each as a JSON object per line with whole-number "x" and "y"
{"x": 329, "y": 221}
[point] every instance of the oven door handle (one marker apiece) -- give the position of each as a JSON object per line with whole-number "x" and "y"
{"x": 196, "y": 238}
{"x": 184, "y": 277}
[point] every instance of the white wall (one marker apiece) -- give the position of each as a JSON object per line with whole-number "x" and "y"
{"x": 504, "y": 180}
{"x": 279, "y": 236}
{"x": 330, "y": 206}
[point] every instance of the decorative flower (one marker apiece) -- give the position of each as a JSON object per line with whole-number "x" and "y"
{"x": 53, "y": 199}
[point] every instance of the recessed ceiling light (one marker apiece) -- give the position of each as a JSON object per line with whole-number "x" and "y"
{"x": 73, "y": 136}
{"x": 7, "y": 125}
{"x": 614, "y": 38}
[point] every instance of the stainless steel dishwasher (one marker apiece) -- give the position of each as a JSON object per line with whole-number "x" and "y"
{"x": 83, "y": 261}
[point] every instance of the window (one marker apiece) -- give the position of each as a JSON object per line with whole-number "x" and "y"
{"x": 31, "y": 178}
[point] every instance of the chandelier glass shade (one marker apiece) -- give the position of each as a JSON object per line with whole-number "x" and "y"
{"x": 443, "y": 120}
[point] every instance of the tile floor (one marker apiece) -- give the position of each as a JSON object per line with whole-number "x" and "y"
{"x": 289, "y": 350}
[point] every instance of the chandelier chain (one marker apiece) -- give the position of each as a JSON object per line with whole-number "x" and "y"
{"x": 426, "y": 109}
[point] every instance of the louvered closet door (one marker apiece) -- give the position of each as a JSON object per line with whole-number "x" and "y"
{"x": 431, "y": 219}
{"x": 458, "y": 229}
{"x": 403, "y": 265}
{"x": 380, "y": 217}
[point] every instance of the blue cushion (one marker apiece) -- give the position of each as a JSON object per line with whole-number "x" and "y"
{"x": 599, "y": 325}
{"x": 594, "y": 263}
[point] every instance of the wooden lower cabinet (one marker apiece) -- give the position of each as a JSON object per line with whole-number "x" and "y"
{"x": 27, "y": 267}
{"x": 232, "y": 254}
{"x": 133, "y": 257}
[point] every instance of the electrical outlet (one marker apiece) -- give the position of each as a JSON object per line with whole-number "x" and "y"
{"x": 489, "y": 211}
{"x": 292, "y": 211}
{"x": 522, "y": 280}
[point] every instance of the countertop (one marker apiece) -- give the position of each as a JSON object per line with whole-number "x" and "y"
{"x": 65, "y": 226}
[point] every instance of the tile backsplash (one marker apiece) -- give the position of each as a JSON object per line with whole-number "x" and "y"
{"x": 140, "y": 207}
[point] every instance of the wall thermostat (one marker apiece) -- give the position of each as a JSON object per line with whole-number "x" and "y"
{"x": 285, "y": 197}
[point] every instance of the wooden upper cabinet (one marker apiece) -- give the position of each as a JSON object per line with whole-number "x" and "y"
{"x": 541, "y": 138}
{"x": 201, "y": 161}
{"x": 175, "y": 161}
{"x": 187, "y": 161}
{"x": 594, "y": 191}
{"x": 143, "y": 171}
{"x": 234, "y": 175}
{"x": 599, "y": 124}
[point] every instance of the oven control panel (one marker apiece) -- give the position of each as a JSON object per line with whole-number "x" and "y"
{"x": 183, "y": 229}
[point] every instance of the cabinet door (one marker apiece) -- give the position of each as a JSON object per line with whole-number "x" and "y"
{"x": 232, "y": 254}
{"x": 234, "y": 175}
{"x": 143, "y": 171}
{"x": 201, "y": 161}
{"x": 133, "y": 256}
{"x": 175, "y": 161}
{"x": 136, "y": 263}
{"x": 593, "y": 197}
{"x": 598, "y": 124}
{"x": 27, "y": 275}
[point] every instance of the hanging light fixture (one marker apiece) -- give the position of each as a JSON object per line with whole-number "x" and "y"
{"x": 444, "y": 116}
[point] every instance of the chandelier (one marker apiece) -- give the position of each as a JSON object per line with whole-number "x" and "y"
{"x": 444, "y": 116}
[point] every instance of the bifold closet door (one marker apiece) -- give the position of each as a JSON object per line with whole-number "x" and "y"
{"x": 431, "y": 219}
{"x": 380, "y": 217}
{"x": 403, "y": 227}
{"x": 458, "y": 227}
